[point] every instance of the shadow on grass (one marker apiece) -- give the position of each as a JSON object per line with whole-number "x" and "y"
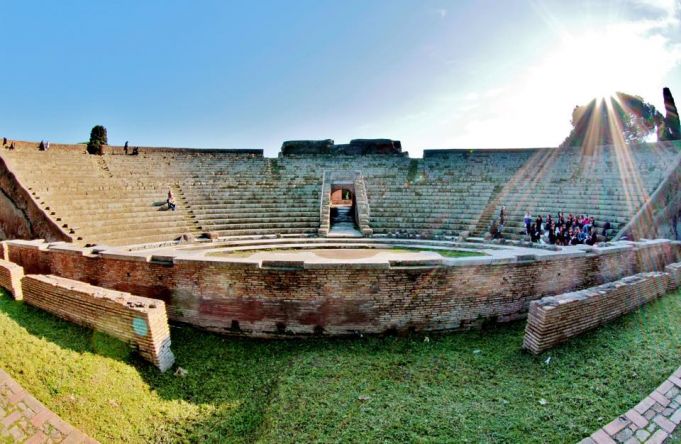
{"x": 476, "y": 384}
{"x": 234, "y": 377}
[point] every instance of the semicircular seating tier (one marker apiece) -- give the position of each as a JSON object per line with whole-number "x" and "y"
{"x": 117, "y": 199}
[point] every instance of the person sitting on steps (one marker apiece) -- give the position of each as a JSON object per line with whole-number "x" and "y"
{"x": 170, "y": 201}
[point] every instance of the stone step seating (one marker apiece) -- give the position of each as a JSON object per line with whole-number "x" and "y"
{"x": 575, "y": 190}
{"x": 254, "y": 207}
{"x": 125, "y": 231}
{"x": 281, "y": 217}
{"x": 578, "y": 184}
{"x": 235, "y": 188}
{"x": 132, "y": 220}
{"x": 517, "y": 210}
{"x": 435, "y": 211}
{"x": 114, "y": 210}
{"x": 611, "y": 215}
{"x": 251, "y": 211}
{"x": 448, "y": 229}
{"x": 264, "y": 231}
{"x": 115, "y": 220}
{"x": 113, "y": 225}
{"x": 258, "y": 226}
{"x": 434, "y": 195}
{"x": 280, "y": 197}
{"x": 289, "y": 205}
{"x": 603, "y": 205}
{"x": 94, "y": 201}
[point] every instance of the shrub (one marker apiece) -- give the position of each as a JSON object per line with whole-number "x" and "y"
{"x": 98, "y": 138}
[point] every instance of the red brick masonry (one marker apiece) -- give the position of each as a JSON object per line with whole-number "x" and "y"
{"x": 555, "y": 319}
{"x": 297, "y": 298}
{"x": 651, "y": 421}
{"x": 139, "y": 321}
{"x": 24, "y": 419}
{"x": 10, "y": 278}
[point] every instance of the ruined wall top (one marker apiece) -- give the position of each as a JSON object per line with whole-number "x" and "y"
{"x": 356, "y": 147}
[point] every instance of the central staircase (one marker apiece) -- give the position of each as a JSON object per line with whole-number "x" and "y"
{"x": 342, "y": 223}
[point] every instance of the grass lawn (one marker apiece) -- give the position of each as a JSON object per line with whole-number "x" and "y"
{"x": 460, "y": 387}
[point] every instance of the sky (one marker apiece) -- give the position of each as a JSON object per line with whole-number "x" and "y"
{"x": 251, "y": 74}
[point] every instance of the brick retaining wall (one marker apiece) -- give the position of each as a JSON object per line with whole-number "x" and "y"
{"x": 294, "y": 298}
{"x": 10, "y": 278}
{"x": 555, "y": 319}
{"x": 674, "y": 271}
{"x": 133, "y": 319}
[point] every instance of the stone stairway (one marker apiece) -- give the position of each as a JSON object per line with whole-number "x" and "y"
{"x": 342, "y": 223}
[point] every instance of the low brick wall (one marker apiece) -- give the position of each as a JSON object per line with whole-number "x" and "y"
{"x": 652, "y": 420}
{"x": 282, "y": 298}
{"x": 555, "y": 319}
{"x": 10, "y": 278}
{"x": 139, "y": 321}
{"x": 674, "y": 271}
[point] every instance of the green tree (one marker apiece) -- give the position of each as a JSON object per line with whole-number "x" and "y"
{"x": 98, "y": 138}
{"x": 606, "y": 121}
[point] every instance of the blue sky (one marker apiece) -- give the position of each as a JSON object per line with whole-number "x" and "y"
{"x": 434, "y": 74}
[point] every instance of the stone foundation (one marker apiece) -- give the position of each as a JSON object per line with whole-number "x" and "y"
{"x": 138, "y": 321}
{"x": 555, "y": 319}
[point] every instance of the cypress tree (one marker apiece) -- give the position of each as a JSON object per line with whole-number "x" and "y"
{"x": 672, "y": 127}
{"x": 98, "y": 137}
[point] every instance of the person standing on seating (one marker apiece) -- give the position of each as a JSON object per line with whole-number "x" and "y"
{"x": 528, "y": 223}
{"x": 502, "y": 219}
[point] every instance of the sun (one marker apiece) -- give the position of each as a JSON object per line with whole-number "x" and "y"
{"x": 595, "y": 64}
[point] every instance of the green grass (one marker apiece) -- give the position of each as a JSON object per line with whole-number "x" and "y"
{"x": 460, "y": 387}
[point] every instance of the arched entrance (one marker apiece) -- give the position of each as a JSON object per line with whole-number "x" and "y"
{"x": 343, "y": 208}
{"x": 342, "y": 196}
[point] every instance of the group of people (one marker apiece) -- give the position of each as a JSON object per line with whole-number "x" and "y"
{"x": 5, "y": 141}
{"x": 562, "y": 230}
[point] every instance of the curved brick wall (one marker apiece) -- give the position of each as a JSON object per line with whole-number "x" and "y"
{"x": 280, "y": 298}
